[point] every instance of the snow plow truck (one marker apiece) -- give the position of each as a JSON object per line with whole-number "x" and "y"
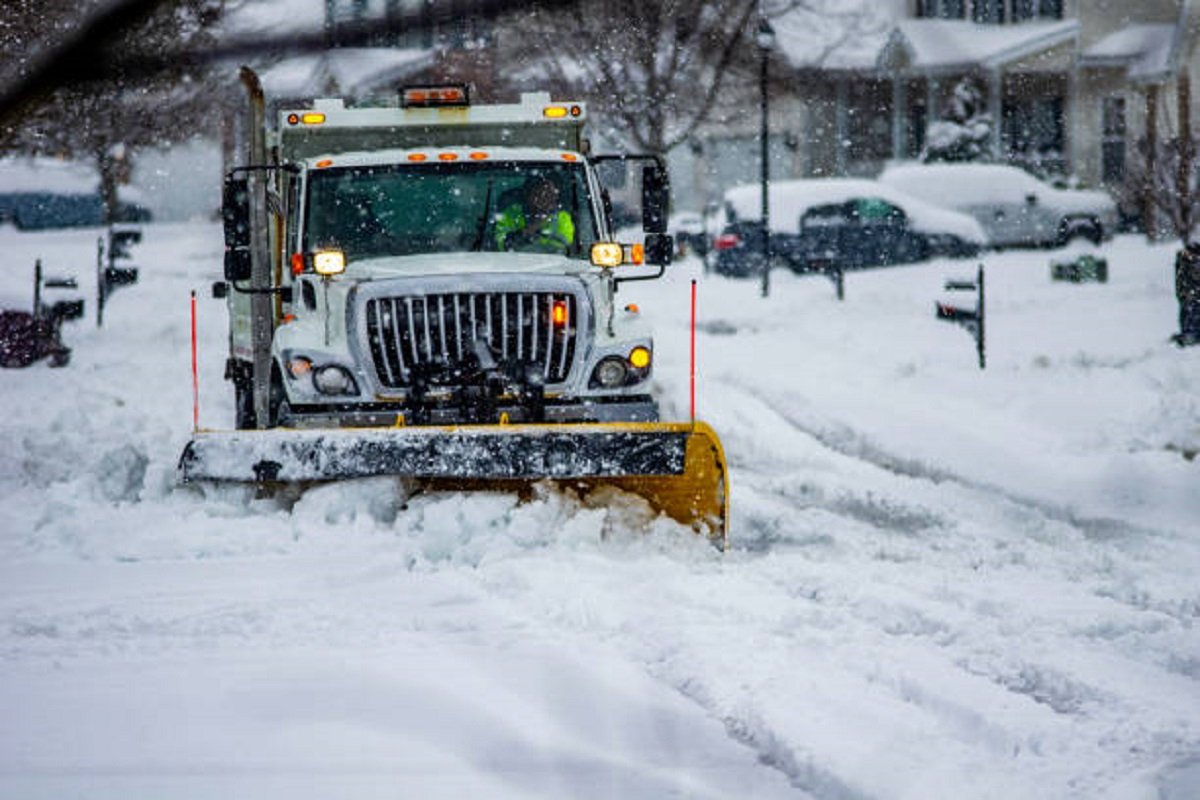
{"x": 427, "y": 289}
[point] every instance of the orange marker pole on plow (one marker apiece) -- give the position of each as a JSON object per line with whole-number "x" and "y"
{"x": 692, "y": 364}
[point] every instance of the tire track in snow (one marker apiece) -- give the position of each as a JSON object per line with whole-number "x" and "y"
{"x": 1061, "y": 691}
{"x": 844, "y": 440}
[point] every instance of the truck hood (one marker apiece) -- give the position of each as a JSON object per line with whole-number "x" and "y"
{"x": 460, "y": 263}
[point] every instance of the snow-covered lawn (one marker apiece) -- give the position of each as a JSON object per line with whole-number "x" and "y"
{"x": 944, "y": 582}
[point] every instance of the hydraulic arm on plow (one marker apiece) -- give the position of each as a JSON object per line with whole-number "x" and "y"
{"x": 427, "y": 291}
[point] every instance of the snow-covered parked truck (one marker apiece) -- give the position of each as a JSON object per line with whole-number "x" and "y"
{"x": 428, "y": 290}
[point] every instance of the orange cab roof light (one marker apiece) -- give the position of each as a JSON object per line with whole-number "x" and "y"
{"x": 454, "y": 94}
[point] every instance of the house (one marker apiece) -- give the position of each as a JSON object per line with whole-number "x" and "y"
{"x": 1072, "y": 88}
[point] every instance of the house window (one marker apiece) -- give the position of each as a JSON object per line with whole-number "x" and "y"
{"x": 1034, "y": 132}
{"x": 1112, "y": 143}
{"x": 869, "y": 132}
{"x": 988, "y": 11}
{"x": 1036, "y": 9}
{"x": 945, "y": 9}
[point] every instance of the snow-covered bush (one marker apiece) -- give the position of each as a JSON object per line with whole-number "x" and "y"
{"x": 964, "y": 133}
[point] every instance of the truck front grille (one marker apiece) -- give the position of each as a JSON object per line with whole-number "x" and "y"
{"x": 440, "y": 338}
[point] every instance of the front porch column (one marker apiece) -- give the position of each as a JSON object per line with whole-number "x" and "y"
{"x": 841, "y": 125}
{"x": 899, "y": 109}
{"x": 995, "y": 86}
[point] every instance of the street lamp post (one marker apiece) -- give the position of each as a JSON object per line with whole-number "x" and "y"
{"x": 764, "y": 37}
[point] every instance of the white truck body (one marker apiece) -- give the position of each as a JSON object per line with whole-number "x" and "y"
{"x": 415, "y": 326}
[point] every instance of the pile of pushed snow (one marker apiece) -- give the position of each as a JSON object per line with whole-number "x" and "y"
{"x": 790, "y": 199}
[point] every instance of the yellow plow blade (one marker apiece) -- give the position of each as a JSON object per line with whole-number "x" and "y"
{"x": 679, "y": 468}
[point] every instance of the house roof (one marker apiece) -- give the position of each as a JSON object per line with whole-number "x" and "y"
{"x": 928, "y": 45}
{"x": 1144, "y": 50}
{"x": 935, "y": 45}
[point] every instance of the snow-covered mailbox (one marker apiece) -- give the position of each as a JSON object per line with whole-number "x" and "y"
{"x": 110, "y": 276}
{"x": 971, "y": 318}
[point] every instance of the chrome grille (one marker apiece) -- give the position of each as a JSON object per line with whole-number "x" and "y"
{"x": 436, "y": 335}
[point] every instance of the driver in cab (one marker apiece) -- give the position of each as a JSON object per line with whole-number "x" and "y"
{"x": 538, "y": 224}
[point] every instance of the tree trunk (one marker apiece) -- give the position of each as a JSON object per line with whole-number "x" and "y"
{"x": 1148, "y": 210}
{"x": 1187, "y": 156}
{"x": 110, "y": 169}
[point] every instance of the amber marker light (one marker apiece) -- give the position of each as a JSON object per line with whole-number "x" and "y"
{"x": 569, "y": 157}
{"x": 607, "y": 254}
{"x": 559, "y": 313}
{"x": 297, "y": 263}
{"x": 637, "y": 254}
{"x": 639, "y": 358}
{"x": 417, "y": 156}
{"x": 447, "y": 156}
{"x": 324, "y": 162}
{"x": 554, "y": 112}
{"x": 477, "y": 156}
{"x": 299, "y": 366}
{"x": 312, "y": 118}
{"x": 293, "y": 119}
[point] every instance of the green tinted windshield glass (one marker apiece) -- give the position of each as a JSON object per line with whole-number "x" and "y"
{"x": 394, "y": 210}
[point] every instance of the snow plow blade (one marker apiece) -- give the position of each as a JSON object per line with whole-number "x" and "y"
{"x": 679, "y": 468}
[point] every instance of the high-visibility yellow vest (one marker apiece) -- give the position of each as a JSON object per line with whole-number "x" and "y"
{"x": 555, "y": 235}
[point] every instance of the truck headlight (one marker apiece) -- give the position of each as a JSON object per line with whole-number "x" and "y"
{"x": 334, "y": 380}
{"x": 610, "y": 373}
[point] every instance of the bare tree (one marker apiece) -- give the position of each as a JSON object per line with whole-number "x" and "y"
{"x": 106, "y": 120}
{"x": 656, "y": 69}
{"x": 1164, "y": 173}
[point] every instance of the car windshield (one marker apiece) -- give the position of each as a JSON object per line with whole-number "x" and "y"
{"x": 390, "y": 210}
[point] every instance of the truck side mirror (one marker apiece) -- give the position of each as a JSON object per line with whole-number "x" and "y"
{"x": 238, "y": 266}
{"x": 235, "y": 212}
{"x": 656, "y": 199}
{"x": 659, "y": 248}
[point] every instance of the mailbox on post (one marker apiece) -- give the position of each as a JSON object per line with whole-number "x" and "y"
{"x": 971, "y": 318}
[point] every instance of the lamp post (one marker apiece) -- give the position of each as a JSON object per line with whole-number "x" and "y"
{"x": 764, "y": 37}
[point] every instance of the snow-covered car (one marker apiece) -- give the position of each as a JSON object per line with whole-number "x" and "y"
{"x": 37, "y": 194}
{"x": 1014, "y": 207}
{"x": 848, "y": 221}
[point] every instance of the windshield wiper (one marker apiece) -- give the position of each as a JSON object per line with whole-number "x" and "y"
{"x": 483, "y": 220}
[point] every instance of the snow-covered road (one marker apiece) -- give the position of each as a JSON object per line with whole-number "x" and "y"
{"x": 944, "y": 582}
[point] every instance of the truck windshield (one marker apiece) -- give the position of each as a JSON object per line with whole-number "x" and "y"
{"x": 398, "y": 210}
